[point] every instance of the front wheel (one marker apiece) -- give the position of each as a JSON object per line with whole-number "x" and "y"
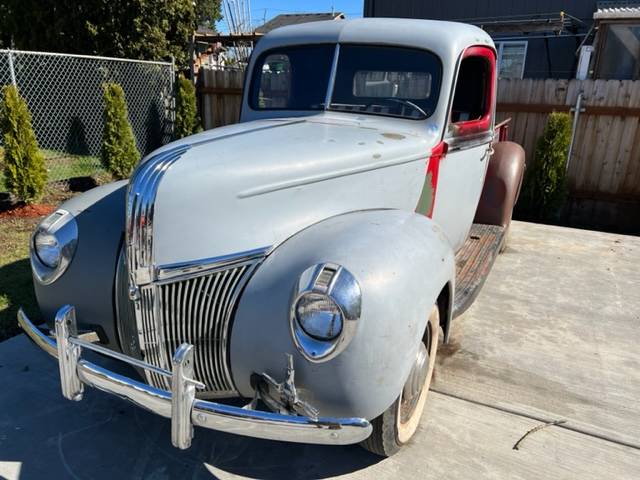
{"x": 399, "y": 422}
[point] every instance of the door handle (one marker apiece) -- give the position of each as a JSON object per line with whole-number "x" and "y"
{"x": 487, "y": 154}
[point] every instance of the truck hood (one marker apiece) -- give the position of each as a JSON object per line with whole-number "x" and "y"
{"x": 255, "y": 184}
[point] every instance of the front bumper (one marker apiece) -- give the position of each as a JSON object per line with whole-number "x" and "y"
{"x": 180, "y": 404}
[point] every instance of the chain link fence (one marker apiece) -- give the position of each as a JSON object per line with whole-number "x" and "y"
{"x": 64, "y": 95}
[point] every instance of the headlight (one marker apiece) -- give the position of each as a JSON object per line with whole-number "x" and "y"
{"x": 52, "y": 246}
{"x": 325, "y": 311}
{"x": 319, "y": 316}
{"x": 47, "y": 249}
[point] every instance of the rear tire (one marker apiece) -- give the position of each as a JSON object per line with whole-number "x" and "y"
{"x": 397, "y": 425}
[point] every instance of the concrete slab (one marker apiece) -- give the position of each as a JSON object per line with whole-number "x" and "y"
{"x": 553, "y": 335}
{"x": 555, "y": 332}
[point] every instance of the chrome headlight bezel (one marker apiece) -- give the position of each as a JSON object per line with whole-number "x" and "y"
{"x": 63, "y": 227}
{"x": 338, "y": 285}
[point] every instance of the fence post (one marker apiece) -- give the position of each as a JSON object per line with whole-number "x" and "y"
{"x": 11, "y": 69}
{"x": 577, "y": 110}
{"x": 172, "y": 100}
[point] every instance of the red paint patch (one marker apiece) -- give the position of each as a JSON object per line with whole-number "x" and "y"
{"x": 482, "y": 124}
{"x": 27, "y": 211}
{"x": 433, "y": 167}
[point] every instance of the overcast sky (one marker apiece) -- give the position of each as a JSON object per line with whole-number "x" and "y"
{"x": 261, "y": 9}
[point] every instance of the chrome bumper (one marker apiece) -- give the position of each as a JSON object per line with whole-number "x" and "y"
{"x": 180, "y": 405}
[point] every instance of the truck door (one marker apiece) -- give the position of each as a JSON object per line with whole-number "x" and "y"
{"x": 467, "y": 141}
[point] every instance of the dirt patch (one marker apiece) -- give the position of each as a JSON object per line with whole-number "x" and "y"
{"x": 27, "y": 211}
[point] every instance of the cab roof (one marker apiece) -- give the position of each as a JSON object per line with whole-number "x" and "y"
{"x": 446, "y": 39}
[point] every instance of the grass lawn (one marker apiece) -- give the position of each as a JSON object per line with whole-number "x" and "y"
{"x": 62, "y": 166}
{"x": 16, "y": 285}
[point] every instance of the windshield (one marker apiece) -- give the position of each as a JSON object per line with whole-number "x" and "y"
{"x": 376, "y": 80}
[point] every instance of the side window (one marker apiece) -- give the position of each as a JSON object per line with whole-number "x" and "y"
{"x": 475, "y": 88}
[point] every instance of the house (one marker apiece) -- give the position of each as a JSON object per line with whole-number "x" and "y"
{"x": 617, "y": 44}
{"x": 296, "y": 18}
{"x": 542, "y": 39}
{"x": 216, "y": 50}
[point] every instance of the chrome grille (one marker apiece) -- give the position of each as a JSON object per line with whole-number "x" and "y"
{"x": 190, "y": 302}
{"x": 195, "y": 308}
{"x": 198, "y": 311}
{"x": 150, "y": 340}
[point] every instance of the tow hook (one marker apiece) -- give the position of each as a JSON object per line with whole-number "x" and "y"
{"x": 280, "y": 397}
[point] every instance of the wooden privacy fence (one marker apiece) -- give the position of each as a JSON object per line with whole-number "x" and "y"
{"x": 219, "y": 95}
{"x": 605, "y": 163}
{"x": 604, "y": 169}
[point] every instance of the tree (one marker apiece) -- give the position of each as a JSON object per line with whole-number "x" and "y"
{"x": 544, "y": 190}
{"x": 139, "y": 29}
{"x": 24, "y": 169}
{"x": 187, "y": 121}
{"x": 119, "y": 153}
{"x": 208, "y": 13}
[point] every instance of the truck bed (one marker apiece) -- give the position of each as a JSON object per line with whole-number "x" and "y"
{"x": 473, "y": 263}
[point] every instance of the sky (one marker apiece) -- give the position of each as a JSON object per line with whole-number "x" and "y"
{"x": 267, "y": 9}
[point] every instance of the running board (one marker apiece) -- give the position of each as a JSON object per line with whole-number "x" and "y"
{"x": 473, "y": 263}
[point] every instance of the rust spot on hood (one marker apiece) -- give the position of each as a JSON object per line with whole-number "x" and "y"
{"x": 393, "y": 136}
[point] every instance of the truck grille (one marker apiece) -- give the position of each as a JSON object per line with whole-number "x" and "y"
{"x": 198, "y": 311}
{"x": 191, "y": 302}
{"x": 195, "y": 310}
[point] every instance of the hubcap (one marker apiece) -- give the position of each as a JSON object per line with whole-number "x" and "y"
{"x": 415, "y": 382}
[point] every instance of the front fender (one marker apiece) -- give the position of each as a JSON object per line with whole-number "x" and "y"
{"x": 88, "y": 282}
{"x": 401, "y": 260}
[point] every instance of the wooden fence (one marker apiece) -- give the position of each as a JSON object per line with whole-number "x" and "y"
{"x": 219, "y": 95}
{"x": 606, "y": 153}
{"x": 604, "y": 169}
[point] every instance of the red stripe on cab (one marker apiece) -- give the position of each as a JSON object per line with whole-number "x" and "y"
{"x": 433, "y": 167}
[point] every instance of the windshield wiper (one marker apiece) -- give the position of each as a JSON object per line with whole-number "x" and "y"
{"x": 403, "y": 101}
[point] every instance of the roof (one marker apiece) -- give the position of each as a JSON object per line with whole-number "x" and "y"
{"x": 297, "y": 18}
{"x": 446, "y": 39}
{"x": 205, "y": 30}
{"x": 528, "y": 23}
{"x": 617, "y": 10}
{"x": 617, "y": 13}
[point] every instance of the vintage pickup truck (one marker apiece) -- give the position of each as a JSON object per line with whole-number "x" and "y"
{"x": 306, "y": 259}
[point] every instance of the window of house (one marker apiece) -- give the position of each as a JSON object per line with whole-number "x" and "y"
{"x": 511, "y": 59}
{"x": 473, "y": 97}
{"x": 619, "y": 56}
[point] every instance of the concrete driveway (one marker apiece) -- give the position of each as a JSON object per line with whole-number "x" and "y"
{"x": 553, "y": 336}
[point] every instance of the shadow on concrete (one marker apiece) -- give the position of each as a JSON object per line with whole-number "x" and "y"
{"x": 16, "y": 286}
{"x": 105, "y": 437}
